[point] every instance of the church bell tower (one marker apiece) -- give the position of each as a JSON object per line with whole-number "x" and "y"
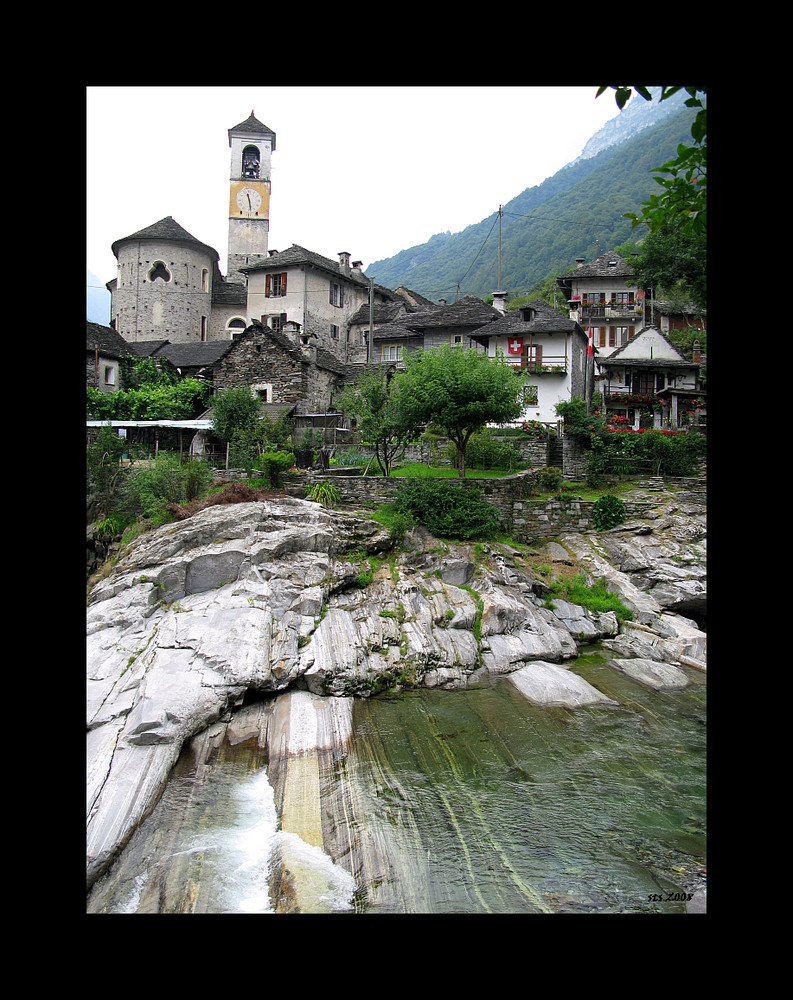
{"x": 252, "y": 144}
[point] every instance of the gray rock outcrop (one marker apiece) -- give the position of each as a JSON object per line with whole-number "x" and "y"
{"x": 260, "y": 597}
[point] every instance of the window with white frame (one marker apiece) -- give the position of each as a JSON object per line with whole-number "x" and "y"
{"x": 336, "y": 295}
{"x": 235, "y": 326}
{"x": 392, "y": 352}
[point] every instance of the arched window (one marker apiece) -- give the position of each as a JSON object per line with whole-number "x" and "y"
{"x": 204, "y": 280}
{"x": 250, "y": 162}
{"x": 236, "y": 327}
{"x": 159, "y": 270}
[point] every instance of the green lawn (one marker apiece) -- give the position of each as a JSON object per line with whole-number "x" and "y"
{"x": 445, "y": 472}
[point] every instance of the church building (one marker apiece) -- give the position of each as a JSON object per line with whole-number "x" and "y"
{"x": 169, "y": 286}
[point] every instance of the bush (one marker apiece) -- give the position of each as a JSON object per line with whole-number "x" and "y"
{"x": 147, "y": 490}
{"x": 607, "y": 512}
{"x": 447, "y": 511}
{"x": 550, "y": 478}
{"x": 273, "y": 464}
{"x": 485, "y": 451}
{"x": 102, "y": 467}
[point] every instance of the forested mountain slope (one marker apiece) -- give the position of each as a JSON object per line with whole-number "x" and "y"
{"x": 546, "y": 227}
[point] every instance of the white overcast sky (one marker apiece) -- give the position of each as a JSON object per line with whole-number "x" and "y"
{"x": 371, "y": 170}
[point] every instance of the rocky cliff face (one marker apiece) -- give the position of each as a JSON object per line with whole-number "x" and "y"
{"x": 255, "y": 598}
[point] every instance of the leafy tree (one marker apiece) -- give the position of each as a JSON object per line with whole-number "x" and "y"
{"x": 102, "y": 468}
{"x": 235, "y": 409}
{"x": 152, "y": 390}
{"x": 462, "y": 391}
{"x": 138, "y": 372}
{"x": 374, "y": 402}
{"x": 673, "y": 260}
{"x": 685, "y": 183}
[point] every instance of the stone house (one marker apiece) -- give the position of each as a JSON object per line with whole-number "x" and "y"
{"x": 546, "y": 345}
{"x": 390, "y": 337}
{"x": 648, "y": 383}
{"x": 599, "y": 297}
{"x": 317, "y": 294}
{"x": 104, "y": 349}
{"x": 281, "y": 366}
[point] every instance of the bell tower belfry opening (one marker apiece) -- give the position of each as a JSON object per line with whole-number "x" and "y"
{"x": 252, "y": 145}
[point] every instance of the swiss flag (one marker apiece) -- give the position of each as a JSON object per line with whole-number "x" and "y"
{"x": 516, "y": 345}
{"x": 591, "y": 343}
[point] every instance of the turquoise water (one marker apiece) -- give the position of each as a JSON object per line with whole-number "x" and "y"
{"x": 449, "y": 802}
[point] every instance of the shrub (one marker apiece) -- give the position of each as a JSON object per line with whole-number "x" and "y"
{"x": 485, "y": 451}
{"x": 607, "y": 512}
{"x": 197, "y": 478}
{"x": 273, "y": 464}
{"x": 325, "y": 493}
{"x": 102, "y": 467}
{"x": 447, "y": 510}
{"x": 147, "y": 490}
{"x": 550, "y": 478}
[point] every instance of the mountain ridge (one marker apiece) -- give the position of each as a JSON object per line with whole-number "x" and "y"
{"x": 544, "y": 228}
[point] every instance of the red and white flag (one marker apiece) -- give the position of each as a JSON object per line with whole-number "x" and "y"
{"x": 515, "y": 345}
{"x": 591, "y": 344}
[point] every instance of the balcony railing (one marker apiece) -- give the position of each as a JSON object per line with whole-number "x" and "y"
{"x": 611, "y": 310}
{"x": 549, "y": 364}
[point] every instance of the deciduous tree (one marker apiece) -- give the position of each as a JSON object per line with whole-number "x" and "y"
{"x": 380, "y": 419}
{"x": 460, "y": 390}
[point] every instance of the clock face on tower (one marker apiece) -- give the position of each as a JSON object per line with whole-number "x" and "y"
{"x": 249, "y": 201}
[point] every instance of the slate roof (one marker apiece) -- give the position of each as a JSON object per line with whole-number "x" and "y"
{"x": 229, "y": 293}
{"x": 110, "y": 343}
{"x": 297, "y": 255}
{"x": 469, "y": 311}
{"x": 615, "y": 357}
{"x": 199, "y": 355}
{"x": 546, "y": 320}
{"x": 168, "y": 230}
{"x": 382, "y": 312}
{"x": 253, "y": 126}
{"x": 395, "y": 331}
{"x": 601, "y": 268}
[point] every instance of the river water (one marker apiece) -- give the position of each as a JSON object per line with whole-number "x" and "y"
{"x": 438, "y": 802}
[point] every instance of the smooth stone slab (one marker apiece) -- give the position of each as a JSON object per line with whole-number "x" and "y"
{"x": 652, "y": 673}
{"x": 551, "y": 685}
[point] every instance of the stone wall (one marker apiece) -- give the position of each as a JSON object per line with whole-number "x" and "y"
{"x": 525, "y": 516}
{"x": 574, "y": 463}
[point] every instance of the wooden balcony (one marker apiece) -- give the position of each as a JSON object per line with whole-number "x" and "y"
{"x": 547, "y": 364}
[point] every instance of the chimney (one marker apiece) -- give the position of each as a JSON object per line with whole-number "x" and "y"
{"x": 579, "y": 261}
{"x": 357, "y": 265}
{"x": 697, "y": 355}
{"x": 344, "y": 261}
{"x": 271, "y": 253}
{"x": 291, "y": 330}
{"x": 500, "y": 302}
